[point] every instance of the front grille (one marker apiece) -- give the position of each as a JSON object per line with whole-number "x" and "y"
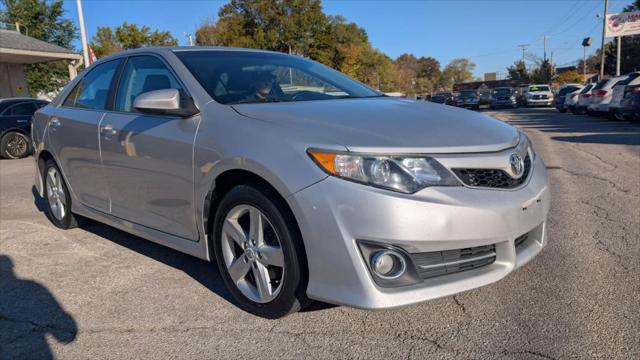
{"x": 493, "y": 178}
{"x": 503, "y": 98}
{"x": 538, "y": 97}
{"x": 438, "y": 263}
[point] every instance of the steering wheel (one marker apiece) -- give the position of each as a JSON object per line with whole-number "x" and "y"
{"x": 309, "y": 95}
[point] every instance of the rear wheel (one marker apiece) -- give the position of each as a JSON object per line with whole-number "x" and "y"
{"x": 14, "y": 145}
{"x": 57, "y": 197}
{"x": 259, "y": 253}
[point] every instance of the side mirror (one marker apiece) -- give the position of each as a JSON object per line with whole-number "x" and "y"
{"x": 165, "y": 102}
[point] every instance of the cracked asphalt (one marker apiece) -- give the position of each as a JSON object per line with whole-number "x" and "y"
{"x": 98, "y": 292}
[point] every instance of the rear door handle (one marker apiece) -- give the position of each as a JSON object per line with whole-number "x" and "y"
{"x": 108, "y": 130}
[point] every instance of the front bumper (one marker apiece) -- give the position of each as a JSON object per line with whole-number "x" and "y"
{"x": 539, "y": 102}
{"x": 333, "y": 214}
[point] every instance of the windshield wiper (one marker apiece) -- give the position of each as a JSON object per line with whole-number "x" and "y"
{"x": 254, "y": 101}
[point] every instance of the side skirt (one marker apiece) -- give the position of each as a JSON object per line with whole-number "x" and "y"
{"x": 199, "y": 249}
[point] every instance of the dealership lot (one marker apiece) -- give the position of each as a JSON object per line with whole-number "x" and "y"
{"x": 99, "y": 292}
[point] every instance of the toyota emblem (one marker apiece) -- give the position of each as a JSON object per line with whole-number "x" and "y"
{"x": 517, "y": 165}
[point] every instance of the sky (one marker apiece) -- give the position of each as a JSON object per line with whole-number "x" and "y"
{"x": 487, "y": 32}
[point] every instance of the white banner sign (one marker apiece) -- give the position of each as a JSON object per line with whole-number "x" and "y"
{"x": 623, "y": 24}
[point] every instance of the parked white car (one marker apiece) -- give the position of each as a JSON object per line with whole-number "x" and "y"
{"x": 538, "y": 95}
{"x": 584, "y": 100}
{"x": 602, "y": 95}
{"x": 572, "y": 98}
{"x": 618, "y": 94}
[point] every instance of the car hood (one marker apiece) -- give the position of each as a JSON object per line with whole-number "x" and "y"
{"x": 389, "y": 125}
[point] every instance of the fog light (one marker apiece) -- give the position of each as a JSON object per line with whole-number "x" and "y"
{"x": 388, "y": 264}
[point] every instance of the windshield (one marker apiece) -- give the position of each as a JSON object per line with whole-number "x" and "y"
{"x": 466, "y": 94}
{"x": 502, "y": 92}
{"x": 538, "y": 88}
{"x": 236, "y": 77}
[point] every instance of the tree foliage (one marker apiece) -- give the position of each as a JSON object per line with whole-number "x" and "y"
{"x": 543, "y": 73}
{"x": 128, "y": 36}
{"x": 43, "y": 20}
{"x": 457, "y": 71}
{"x": 569, "y": 77}
{"x": 518, "y": 71}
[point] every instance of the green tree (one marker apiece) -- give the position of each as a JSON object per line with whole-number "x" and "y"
{"x": 569, "y": 77}
{"x": 457, "y": 71}
{"x": 518, "y": 71}
{"x": 284, "y": 25}
{"x": 543, "y": 73}
{"x": 128, "y": 36}
{"x": 43, "y": 20}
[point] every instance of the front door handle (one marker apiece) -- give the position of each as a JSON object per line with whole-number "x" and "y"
{"x": 108, "y": 130}
{"x": 55, "y": 122}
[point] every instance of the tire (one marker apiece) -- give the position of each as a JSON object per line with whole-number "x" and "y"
{"x": 283, "y": 288}
{"x": 562, "y": 110}
{"x": 15, "y": 145}
{"x": 57, "y": 197}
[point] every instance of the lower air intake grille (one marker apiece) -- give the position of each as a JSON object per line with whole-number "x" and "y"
{"x": 521, "y": 239}
{"x": 438, "y": 263}
{"x": 493, "y": 178}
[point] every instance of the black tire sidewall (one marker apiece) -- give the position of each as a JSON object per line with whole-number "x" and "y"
{"x": 291, "y": 296}
{"x": 5, "y": 140}
{"x": 68, "y": 221}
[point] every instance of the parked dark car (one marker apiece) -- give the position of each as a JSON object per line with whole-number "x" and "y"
{"x": 502, "y": 97}
{"x": 440, "y": 99}
{"x": 15, "y": 126}
{"x": 468, "y": 99}
{"x": 562, "y": 94}
{"x": 450, "y": 100}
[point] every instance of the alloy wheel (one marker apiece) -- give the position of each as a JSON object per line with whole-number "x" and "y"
{"x": 55, "y": 194}
{"x": 17, "y": 146}
{"x": 252, "y": 253}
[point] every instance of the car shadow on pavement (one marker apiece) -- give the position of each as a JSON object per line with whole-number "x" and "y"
{"x": 583, "y": 128}
{"x": 28, "y": 313}
{"x": 38, "y": 201}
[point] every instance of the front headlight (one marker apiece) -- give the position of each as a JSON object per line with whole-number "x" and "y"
{"x": 406, "y": 174}
{"x": 524, "y": 139}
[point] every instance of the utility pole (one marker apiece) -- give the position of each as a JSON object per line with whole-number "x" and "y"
{"x": 618, "y": 54}
{"x": 545, "y": 48}
{"x": 523, "y": 47}
{"x": 83, "y": 34}
{"x": 189, "y": 36}
{"x": 604, "y": 25}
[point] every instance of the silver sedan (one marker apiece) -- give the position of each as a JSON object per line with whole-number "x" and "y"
{"x": 299, "y": 182}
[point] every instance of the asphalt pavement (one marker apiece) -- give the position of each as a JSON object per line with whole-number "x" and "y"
{"x": 98, "y": 292}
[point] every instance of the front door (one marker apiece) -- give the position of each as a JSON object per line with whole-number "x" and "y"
{"x": 73, "y": 134}
{"x": 148, "y": 159}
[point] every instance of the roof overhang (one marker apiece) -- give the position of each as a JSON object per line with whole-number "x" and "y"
{"x": 18, "y": 56}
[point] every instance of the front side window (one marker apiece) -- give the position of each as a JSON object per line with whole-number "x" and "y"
{"x": 21, "y": 109}
{"x": 142, "y": 74}
{"x": 234, "y": 77}
{"x": 92, "y": 90}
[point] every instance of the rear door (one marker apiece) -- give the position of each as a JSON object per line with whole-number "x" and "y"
{"x": 148, "y": 159}
{"x": 73, "y": 134}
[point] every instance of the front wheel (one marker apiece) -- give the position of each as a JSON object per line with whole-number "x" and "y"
{"x": 259, "y": 252}
{"x": 14, "y": 145}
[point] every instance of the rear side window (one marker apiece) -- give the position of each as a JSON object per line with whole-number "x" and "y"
{"x": 566, "y": 90}
{"x": 92, "y": 90}
{"x": 600, "y": 84}
{"x": 586, "y": 89}
{"x": 25, "y": 108}
{"x": 142, "y": 74}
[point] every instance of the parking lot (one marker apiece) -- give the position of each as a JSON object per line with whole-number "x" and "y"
{"x": 98, "y": 292}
